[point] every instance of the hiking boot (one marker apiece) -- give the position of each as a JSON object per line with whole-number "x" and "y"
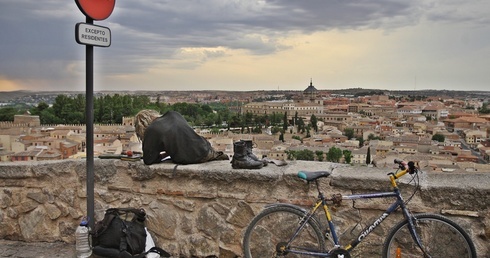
{"x": 249, "y": 147}
{"x": 241, "y": 159}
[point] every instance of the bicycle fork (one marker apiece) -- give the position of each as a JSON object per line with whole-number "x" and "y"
{"x": 412, "y": 227}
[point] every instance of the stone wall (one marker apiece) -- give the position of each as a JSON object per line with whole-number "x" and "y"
{"x": 201, "y": 210}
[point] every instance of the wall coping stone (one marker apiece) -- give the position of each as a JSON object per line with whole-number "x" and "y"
{"x": 208, "y": 188}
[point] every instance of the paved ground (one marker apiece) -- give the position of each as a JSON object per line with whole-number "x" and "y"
{"x": 20, "y": 249}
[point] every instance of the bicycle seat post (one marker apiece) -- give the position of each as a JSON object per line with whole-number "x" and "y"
{"x": 320, "y": 194}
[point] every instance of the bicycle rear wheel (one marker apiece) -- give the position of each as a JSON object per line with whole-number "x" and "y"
{"x": 274, "y": 227}
{"x": 440, "y": 238}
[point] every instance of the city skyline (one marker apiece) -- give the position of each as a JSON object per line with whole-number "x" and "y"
{"x": 250, "y": 45}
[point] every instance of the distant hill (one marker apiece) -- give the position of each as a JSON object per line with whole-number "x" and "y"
{"x": 9, "y": 95}
{"x": 25, "y": 96}
{"x": 433, "y": 93}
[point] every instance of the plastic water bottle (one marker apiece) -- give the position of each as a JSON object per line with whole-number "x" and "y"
{"x": 398, "y": 253}
{"x": 83, "y": 248}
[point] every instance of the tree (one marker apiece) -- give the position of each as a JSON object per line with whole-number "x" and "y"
{"x": 285, "y": 122}
{"x": 291, "y": 154}
{"x": 305, "y": 155}
{"x": 347, "y": 156}
{"x": 7, "y": 114}
{"x": 319, "y": 155}
{"x": 349, "y": 133}
{"x": 373, "y": 137}
{"x": 47, "y": 116}
{"x": 438, "y": 137}
{"x": 368, "y": 156}
{"x": 235, "y": 121}
{"x": 484, "y": 109}
{"x": 361, "y": 141}
{"x": 275, "y": 129}
{"x": 62, "y": 106}
{"x": 40, "y": 108}
{"x": 334, "y": 154}
{"x": 314, "y": 121}
{"x": 297, "y": 138}
{"x": 300, "y": 125}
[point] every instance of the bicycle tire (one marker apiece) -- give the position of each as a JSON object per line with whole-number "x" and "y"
{"x": 276, "y": 225}
{"x": 440, "y": 236}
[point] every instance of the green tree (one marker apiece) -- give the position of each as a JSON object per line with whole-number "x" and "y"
{"x": 281, "y": 137}
{"x": 361, "y": 141}
{"x": 39, "y": 108}
{"x": 349, "y": 133}
{"x": 218, "y": 121}
{"x": 300, "y": 125}
{"x": 276, "y": 118}
{"x": 347, "y": 156}
{"x": 118, "y": 108}
{"x": 248, "y": 119}
{"x": 305, "y": 155}
{"x": 7, "y": 113}
{"x": 285, "y": 122}
{"x": 297, "y": 138}
{"x": 368, "y": 156}
{"x": 47, "y": 116}
{"x": 235, "y": 121}
{"x": 438, "y": 137}
{"x": 373, "y": 137}
{"x": 314, "y": 122}
{"x": 319, "y": 155}
{"x": 291, "y": 154}
{"x": 275, "y": 129}
{"x": 62, "y": 106}
{"x": 334, "y": 154}
{"x": 484, "y": 109}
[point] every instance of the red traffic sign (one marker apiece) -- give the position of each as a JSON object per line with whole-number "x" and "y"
{"x": 93, "y": 35}
{"x": 96, "y": 9}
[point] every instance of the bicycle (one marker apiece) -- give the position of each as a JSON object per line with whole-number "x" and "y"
{"x": 288, "y": 230}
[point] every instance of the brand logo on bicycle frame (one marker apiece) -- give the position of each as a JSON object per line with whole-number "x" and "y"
{"x": 372, "y": 227}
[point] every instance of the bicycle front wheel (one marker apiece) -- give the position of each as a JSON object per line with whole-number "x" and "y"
{"x": 440, "y": 238}
{"x": 269, "y": 233}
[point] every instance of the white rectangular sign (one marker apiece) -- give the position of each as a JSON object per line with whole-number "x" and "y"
{"x": 89, "y": 34}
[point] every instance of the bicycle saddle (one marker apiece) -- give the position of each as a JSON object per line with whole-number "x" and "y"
{"x": 312, "y": 175}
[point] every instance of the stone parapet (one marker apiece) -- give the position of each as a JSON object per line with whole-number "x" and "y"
{"x": 201, "y": 210}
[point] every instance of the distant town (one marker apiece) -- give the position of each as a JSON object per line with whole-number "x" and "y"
{"x": 442, "y": 131}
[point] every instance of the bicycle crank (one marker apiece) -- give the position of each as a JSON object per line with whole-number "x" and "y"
{"x": 281, "y": 248}
{"x": 340, "y": 253}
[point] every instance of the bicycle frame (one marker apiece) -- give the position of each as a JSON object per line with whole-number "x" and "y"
{"x": 322, "y": 202}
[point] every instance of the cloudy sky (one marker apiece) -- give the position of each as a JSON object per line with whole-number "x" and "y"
{"x": 251, "y": 45}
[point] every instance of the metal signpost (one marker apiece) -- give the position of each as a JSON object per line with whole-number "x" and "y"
{"x": 92, "y": 35}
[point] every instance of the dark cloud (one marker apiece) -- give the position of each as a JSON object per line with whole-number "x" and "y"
{"x": 155, "y": 30}
{"x": 38, "y": 36}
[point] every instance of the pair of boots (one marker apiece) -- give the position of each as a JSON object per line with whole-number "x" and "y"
{"x": 243, "y": 156}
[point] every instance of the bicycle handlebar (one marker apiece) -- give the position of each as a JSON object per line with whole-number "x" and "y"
{"x": 410, "y": 166}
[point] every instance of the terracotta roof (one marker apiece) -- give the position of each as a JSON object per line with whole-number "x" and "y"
{"x": 468, "y": 119}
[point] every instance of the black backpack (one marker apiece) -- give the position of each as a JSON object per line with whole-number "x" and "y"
{"x": 122, "y": 234}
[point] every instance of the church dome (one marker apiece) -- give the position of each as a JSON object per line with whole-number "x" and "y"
{"x": 310, "y": 92}
{"x": 311, "y": 89}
